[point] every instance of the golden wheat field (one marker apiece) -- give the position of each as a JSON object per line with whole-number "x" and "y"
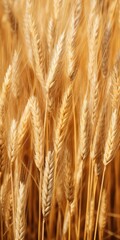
{"x": 59, "y": 119}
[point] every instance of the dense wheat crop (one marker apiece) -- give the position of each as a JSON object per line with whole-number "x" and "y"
{"x": 59, "y": 119}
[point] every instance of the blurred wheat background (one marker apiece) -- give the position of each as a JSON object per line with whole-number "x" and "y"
{"x": 59, "y": 119}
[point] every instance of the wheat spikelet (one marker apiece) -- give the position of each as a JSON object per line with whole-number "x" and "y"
{"x": 93, "y": 8}
{"x": 57, "y": 8}
{"x": 68, "y": 214}
{"x": 78, "y": 178}
{"x": 84, "y": 130}
{"x": 12, "y": 148}
{"x": 3, "y": 100}
{"x": 105, "y": 49}
{"x": 23, "y": 125}
{"x": 50, "y": 35}
{"x": 115, "y": 88}
{"x": 15, "y": 84}
{"x": 69, "y": 185}
{"x": 37, "y": 132}
{"x": 103, "y": 208}
{"x": 47, "y": 184}
{"x": 111, "y": 141}
{"x": 93, "y": 42}
{"x": 71, "y": 39}
{"x": 8, "y": 210}
{"x": 27, "y": 32}
{"x": 20, "y": 214}
{"x": 50, "y": 84}
{"x": 90, "y": 217}
{"x": 2, "y": 149}
{"x": 94, "y": 98}
{"x": 36, "y": 47}
{"x": 4, "y": 189}
{"x": 98, "y": 136}
{"x": 63, "y": 120}
{"x": 10, "y": 15}
{"x": 5, "y": 89}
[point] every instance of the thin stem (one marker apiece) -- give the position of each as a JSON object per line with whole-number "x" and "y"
{"x": 69, "y": 223}
{"x": 98, "y": 210}
{"x": 88, "y": 195}
{"x": 12, "y": 189}
{"x": 43, "y": 226}
{"x": 39, "y": 221}
{"x": 80, "y": 205}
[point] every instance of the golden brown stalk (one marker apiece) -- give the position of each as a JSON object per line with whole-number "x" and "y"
{"x": 62, "y": 124}
{"x": 51, "y": 83}
{"x": 102, "y": 216}
{"x": 69, "y": 184}
{"x": 71, "y": 37}
{"x": 47, "y": 184}
{"x": 37, "y": 126}
{"x": 20, "y": 214}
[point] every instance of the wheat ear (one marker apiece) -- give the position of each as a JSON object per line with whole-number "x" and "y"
{"x": 50, "y": 84}
{"x": 102, "y": 216}
{"x": 47, "y": 184}
{"x": 23, "y": 125}
{"x": 50, "y": 36}
{"x": 27, "y": 32}
{"x": 110, "y": 146}
{"x": 12, "y": 148}
{"x": 15, "y": 88}
{"x": 84, "y": 131}
{"x": 10, "y": 15}
{"x": 65, "y": 111}
{"x": 57, "y": 8}
{"x": 71, "y": 37}
{"x": 69, "y": 184}
{"x": 111, "y": 142}
{"x": 3, "y": 100}
{"x": 93, "y": 43}
{"x": 115, "y": 87}
{"x": 20, "y": 214}
{"x": 37, "y": 126}
{"x": 105, "y": 49}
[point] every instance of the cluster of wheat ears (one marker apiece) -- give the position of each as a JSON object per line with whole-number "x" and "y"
{"x": 59, "y": 119}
